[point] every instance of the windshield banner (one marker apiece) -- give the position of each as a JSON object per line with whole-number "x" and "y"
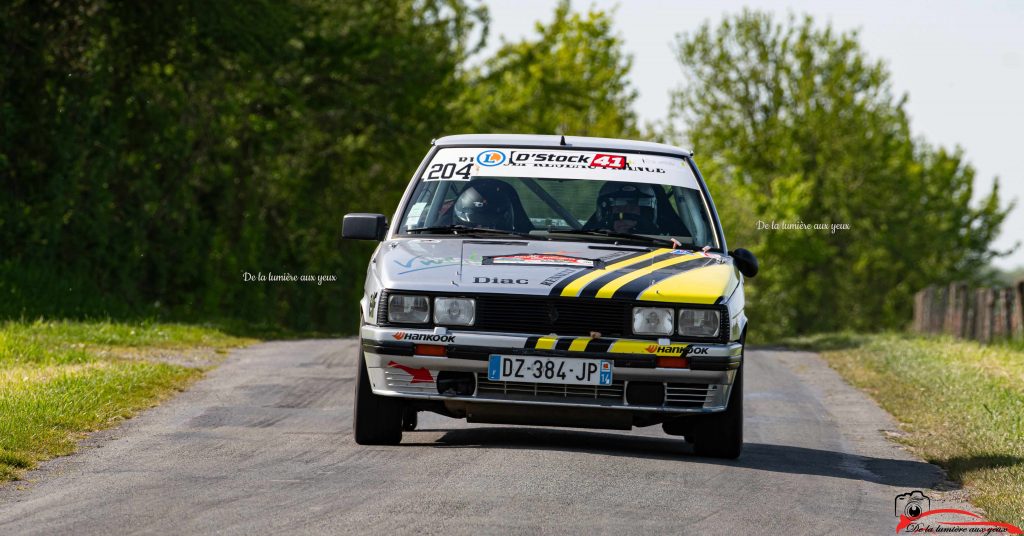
{"x": 464, "y": 163}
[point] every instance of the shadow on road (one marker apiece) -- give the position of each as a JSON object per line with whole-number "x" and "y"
{"x": 959, "y": 467}
{"x": 764, "y": 457}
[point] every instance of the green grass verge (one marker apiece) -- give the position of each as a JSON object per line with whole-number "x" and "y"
{"x": 960, "y": 403}
{"x": 60, "y": 379}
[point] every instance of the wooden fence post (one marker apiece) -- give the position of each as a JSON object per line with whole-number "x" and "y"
{"x": 994, "y": 330}
{"x": 1019, "y": 310}
{"x": 918, "y": 298}
{"x": 926, "y": 300}
{"x": 939, "y": 313}
{"x": 1001, "y": 315}
{"x": 948, "y": 314}
{"x": 971, "y": 319}
{"x": 963, "y": 306}
{"x": 980, "y": 314}
{"x": 990, "y": 313}
{"x": 1010, "y": 305}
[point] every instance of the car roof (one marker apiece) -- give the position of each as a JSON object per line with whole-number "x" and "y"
{"x": 554, "y": 141}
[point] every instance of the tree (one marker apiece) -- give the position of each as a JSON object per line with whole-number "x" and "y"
{"x": 153, "y": 152}
{"x": 572, "y": 78}
{"x": 794, "y": 123}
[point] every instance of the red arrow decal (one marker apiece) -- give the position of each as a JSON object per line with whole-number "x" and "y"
{"x": 419, "y": 375}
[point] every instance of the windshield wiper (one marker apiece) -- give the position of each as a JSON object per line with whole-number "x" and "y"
{"x": 627, "y": 236}
{"x": 468, "y": 230}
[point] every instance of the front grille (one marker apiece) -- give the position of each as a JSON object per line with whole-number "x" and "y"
{"x": 678, "y": 395}
{"x": 535, "y": 314}
{"x": 544, "y": 315}
{"x": 687, "y": 395}
{"x": 486, "y": 388}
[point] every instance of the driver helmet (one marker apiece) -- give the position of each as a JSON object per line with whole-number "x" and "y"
{"x": 627, "y": 201}
{"x": 485, "y": 204}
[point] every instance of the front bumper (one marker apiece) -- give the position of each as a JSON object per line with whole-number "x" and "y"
{"x": 395, "y": 369}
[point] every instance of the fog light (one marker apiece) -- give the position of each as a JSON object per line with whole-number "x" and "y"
{"x": 456, "y": 383}
{"x": 645, "y": 393}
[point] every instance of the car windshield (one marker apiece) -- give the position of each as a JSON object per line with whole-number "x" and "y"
{"x": 559, "y": 195}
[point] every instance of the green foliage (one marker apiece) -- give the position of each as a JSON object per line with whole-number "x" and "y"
{"x": 796, "y": 124}
{"x": 150, "y": 153}
{"x": 571, "y": 79}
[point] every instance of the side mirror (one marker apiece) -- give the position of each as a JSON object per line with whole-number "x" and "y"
{"x": 745, "y": 261}
{"x": 361, "y": 226}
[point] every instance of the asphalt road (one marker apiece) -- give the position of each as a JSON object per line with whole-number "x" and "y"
{"x": 264, "y": 445}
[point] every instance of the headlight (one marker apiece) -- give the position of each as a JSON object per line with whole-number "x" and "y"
{"x": 408, "y": 309}
{"x": 652, "y": 321}
{"x": 699, "y": 322}
{"x": 454, "y": 311}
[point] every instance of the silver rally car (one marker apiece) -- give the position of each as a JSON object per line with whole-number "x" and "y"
{"x": 555, "y": 281}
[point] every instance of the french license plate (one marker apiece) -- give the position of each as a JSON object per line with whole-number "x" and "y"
{"x": 516, "y": 368}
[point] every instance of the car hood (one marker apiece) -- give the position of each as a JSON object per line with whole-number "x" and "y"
{"x": 567, "y": 269}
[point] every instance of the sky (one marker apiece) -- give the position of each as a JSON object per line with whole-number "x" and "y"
{"x": 960, "y": 63}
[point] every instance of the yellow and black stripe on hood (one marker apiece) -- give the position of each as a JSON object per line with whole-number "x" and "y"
{"x": 659, "y": 275}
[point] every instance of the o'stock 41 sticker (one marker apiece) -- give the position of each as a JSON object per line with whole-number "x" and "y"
{"x": 610, "y": 161}
{"x": 464, "y": 163}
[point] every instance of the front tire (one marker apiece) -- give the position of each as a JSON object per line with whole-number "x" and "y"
{"x": 721, "y": 435}
{"x": 376, "y": 420}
